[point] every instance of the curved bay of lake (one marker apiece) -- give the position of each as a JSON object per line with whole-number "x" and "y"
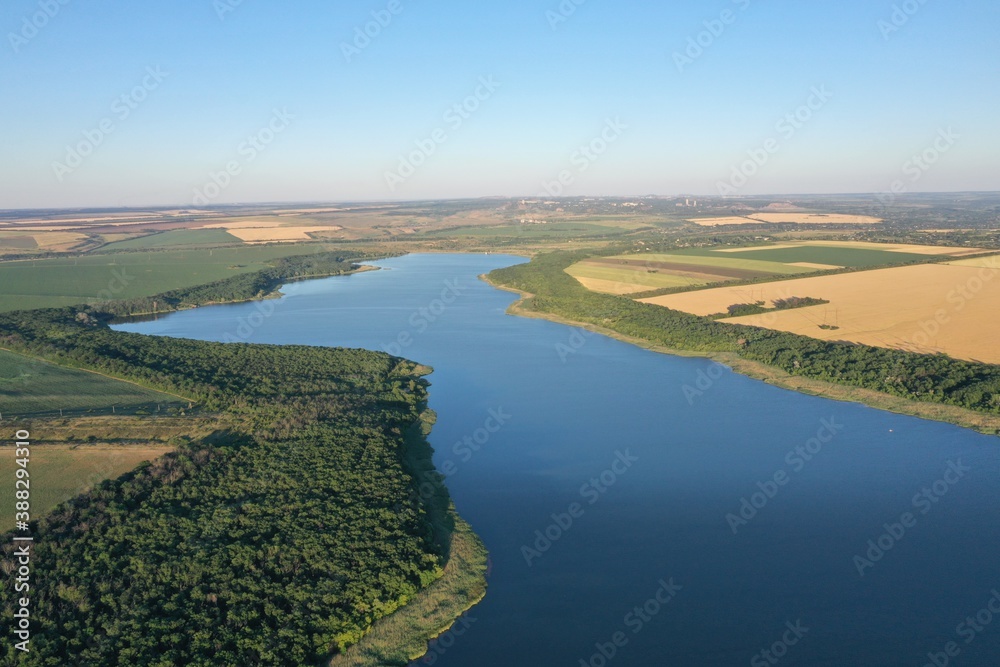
{"x": 602, "y": 476}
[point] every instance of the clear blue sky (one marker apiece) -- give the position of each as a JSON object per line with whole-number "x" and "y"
{"x": 558, "y": 86}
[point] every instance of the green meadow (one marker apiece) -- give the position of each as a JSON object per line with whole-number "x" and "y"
{"x": 52, "y": 283}
{"x": 176, "y": 238}
{"x": 30, "y": 388}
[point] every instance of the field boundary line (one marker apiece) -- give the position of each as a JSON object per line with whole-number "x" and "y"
{"x": 103, "y": 375}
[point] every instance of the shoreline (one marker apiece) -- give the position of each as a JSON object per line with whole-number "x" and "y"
{"x": 949, "y": 414}
{"x": 272, "y": 294}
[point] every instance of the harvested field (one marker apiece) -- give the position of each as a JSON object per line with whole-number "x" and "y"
{"x": 718, "y": 222}
{"x": 695, "y": 270}
{"x": 908, "y": 248}
{"x": 54, "y": 241}
{"x": 815, "y": 218}
{"x": 624, "y": 280}
{"x": 777, "y": 246}
{"x": 712, "y": 263}
{"x": 268, "y": 234}
{"x": 629, "y": 274}
{"x": 271, "y": 229}
{"x": 813, "y": 265}
{"x": 788, "y": 218}
{"x": 991, "y": 262}
{"x": 931, "y": 308}
{"x": 60, "y": 472}
{"x": 612, "y": 286}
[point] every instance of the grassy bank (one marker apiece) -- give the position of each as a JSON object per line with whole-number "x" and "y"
{"x": 403, "y": 636}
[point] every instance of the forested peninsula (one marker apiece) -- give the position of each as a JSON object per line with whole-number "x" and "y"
{"x": 281, "y": 538}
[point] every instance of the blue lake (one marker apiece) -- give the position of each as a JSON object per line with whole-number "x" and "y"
{"x": 602, "y": 476}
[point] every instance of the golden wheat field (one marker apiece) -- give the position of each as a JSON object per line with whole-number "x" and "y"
{"x": 271, "y": 229}
{"x": 912, "y": 249}
{"x": 786, "y": 218}
{"x": 816, "y": 218}
{"x": 932, "y": 308}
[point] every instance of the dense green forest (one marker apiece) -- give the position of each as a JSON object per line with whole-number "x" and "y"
{"x": 278, "y": 541}
{"x": 930, "y": 378}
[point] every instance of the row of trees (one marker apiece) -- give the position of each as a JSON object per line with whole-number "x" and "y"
{"x": 242, "y": 287}
{"x": 921, "y": 377}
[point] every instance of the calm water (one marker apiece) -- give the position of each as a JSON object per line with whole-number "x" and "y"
{"x": 599, "y": 429}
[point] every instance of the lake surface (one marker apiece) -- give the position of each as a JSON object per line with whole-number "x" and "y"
{"x": 632, "y": 461}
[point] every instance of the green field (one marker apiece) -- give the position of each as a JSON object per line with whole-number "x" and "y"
{"x": 31, "y": 388}
{"x": 61, "y": 472}
{"x": 849, "y": 257}
{"x": 70, "y": 281}
{"x": 628, "y": 276}
{"x": 552, "y": 230}
{"x": 176, "y": 238}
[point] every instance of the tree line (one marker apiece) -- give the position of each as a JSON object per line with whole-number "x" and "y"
{"x": 932, "y": 378}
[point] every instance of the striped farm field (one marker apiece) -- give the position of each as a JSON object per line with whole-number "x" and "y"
{"x": 847, "y": 253}
{"x": 816, "y": 218}
{"x": 930, "y": 308}
{"x": 30, "y": 388}
{"x": 626, "y": 280}
{"x": 715, "y": 261}
{"x": 788, "y": 218}
{"x": 630, "y": 274}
